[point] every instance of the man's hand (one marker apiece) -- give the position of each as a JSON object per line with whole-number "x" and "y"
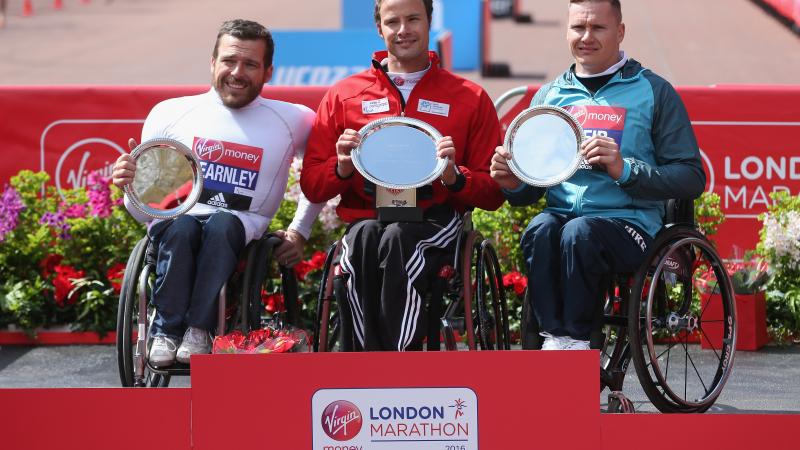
{"x": 290, "y": 251}
{"x": 604, "y": 152}
{"x": 445, "y": 148}
{"x": 500, "y": 172}
{"x": 346, "y": 143}
{"x": 124, "y": 168}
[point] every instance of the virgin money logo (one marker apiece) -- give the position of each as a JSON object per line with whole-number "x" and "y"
{"x": 208, "y": 149}
{"x": 580, "y": 113}
{"x": 341, "y": 420}
{"x": 84, "y": 157}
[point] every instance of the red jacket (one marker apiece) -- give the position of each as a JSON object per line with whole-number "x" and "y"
{"x": 472, "y": 122}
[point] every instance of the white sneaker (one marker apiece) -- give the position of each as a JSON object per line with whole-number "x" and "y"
{"x": 195, "y": 342}
{"x": 573, "y": 344}
{"x": 162, "y": 352}
{"x": 551, "y": 342}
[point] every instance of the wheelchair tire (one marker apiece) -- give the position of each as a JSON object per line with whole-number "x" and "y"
{"x": 326, "y": 327}
{"x": 491, "y": 307}
{"x": 483, "y": 296}
{"x": 665, "y": 312}
{"x": 125, "y": 312}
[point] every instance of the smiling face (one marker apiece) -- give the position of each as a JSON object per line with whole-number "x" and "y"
{"x": 237, "y": 72}
{"x": 404, "y": 27}
{"x": 594, "y": 34}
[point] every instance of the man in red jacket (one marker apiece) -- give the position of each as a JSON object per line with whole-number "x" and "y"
{"x": 389, "y": 264}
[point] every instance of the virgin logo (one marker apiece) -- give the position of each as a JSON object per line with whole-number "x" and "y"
{"x": 208, "y": 149}
{"x": 84, "y": 157}
{"x": 341, "y": 420}
{"x": 580, "y": 113}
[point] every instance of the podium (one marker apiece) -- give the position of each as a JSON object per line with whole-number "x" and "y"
{"x": 414, "y": 400}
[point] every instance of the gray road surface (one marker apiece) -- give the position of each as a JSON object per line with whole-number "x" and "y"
{"x": 762, "y": 382}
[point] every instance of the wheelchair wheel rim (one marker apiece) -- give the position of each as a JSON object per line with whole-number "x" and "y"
{"x": 712, "y": 387}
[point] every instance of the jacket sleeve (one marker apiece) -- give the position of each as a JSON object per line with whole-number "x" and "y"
{"x": 480, "y": 190}
{"x": 679, "y": 172}
{"x": 318, "y": 179}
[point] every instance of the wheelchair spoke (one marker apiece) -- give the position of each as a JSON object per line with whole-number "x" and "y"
{"x": 689, "y": 357}
{"x": 714, "y": 349}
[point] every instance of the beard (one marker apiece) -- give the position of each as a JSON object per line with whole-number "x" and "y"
{"x": 236, "y": 98}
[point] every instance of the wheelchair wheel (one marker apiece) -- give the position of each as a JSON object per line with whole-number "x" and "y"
{"x": 331, "y": 331}
{"x": 666, "y": 313}
{"x": 483, "y": 297}
{"x": 128, "y": 357}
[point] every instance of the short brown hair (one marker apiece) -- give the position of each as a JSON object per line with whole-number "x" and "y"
{"x": 247, "y": 30}
{"x": 615, "y": 5}
{"x": 428, "y": 10}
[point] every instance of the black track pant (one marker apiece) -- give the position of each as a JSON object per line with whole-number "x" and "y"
{"x": 390, "y": 266}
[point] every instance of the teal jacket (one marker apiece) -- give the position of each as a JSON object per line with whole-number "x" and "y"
{"x": 659, "y": 149}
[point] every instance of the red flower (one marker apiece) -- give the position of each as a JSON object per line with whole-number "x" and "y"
{"x": 517, "y": 280}
{"x": 49, "y": 263}
{"x": 273, "y": 302}
{"x": 114, "y": 276}
{"x": 318, "y": 259}
{"x": 63, "y": 284}
{"x": 447, "y": 272}
{"x": 302, "y": 269}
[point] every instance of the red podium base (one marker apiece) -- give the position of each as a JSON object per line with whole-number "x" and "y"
{"x": 525, "y": 400}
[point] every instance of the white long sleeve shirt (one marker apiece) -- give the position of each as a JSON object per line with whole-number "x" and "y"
{"x": 245, "y": 154}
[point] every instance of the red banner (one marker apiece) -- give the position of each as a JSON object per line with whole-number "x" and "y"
{"x": 745, "y": 134}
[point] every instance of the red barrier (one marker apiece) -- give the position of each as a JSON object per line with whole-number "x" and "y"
{"x": 747, "y": 135}
{"x": 789, "y": 9}
{"x": 27, "y": 8}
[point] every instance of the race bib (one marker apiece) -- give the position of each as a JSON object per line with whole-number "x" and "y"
{"x": 600, "y": 120}
{"x": 230, "y": 173}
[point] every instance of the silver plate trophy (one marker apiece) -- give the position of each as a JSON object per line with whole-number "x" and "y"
{"x": 168, "y": 179}
{"x": 545, "y": 143}
{"x": 398, "y": 153}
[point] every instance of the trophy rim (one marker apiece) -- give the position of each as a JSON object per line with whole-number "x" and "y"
{"x": 526, "y": 115}
{"x": 375, "y": 126}
{"x": 197, "y": 180}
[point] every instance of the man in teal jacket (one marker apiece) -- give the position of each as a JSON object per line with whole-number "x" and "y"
{"x": 641, "y": 145}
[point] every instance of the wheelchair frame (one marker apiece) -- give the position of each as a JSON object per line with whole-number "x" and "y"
{"x": 656, "y": 307}
{"x": 136, "y": 293}
{"x": 485, "y": 314}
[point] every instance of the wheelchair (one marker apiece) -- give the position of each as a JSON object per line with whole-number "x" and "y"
{"x": 240, "y": 307}
{"x": 653, "y": 316}
{"x": 465, "y": 300}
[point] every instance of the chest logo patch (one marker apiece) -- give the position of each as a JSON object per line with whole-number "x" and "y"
{"x": 431, "y": 107}
{"x": 375, "y": 106}
{"x": 230, "y": 172}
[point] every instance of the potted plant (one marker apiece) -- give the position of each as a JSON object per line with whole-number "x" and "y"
{"x": 749, "y": 278}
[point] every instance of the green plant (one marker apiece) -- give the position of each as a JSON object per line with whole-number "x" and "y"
{"x": 61, "y": 254}
{"x": 780, "y": 245}
{"x": 708, "y": 213}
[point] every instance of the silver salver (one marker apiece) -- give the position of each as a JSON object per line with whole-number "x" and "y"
{"x": 165, "y": 169}
{"x": 545, "y": 143}
{"x": 398, "y": 153}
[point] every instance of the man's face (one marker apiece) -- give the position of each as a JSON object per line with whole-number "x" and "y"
{"x": 594, "y": 34}
{"x": 404, "y": 27}
{"x": 238, "y": 72}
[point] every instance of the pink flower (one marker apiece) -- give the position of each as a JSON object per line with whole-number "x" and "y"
{"x": 99, "y": 192}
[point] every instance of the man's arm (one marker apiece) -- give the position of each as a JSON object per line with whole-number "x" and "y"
{"x": 319, "y": 180}
{"x": 484, "y": 136}
{"x": 679, "y": 171}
